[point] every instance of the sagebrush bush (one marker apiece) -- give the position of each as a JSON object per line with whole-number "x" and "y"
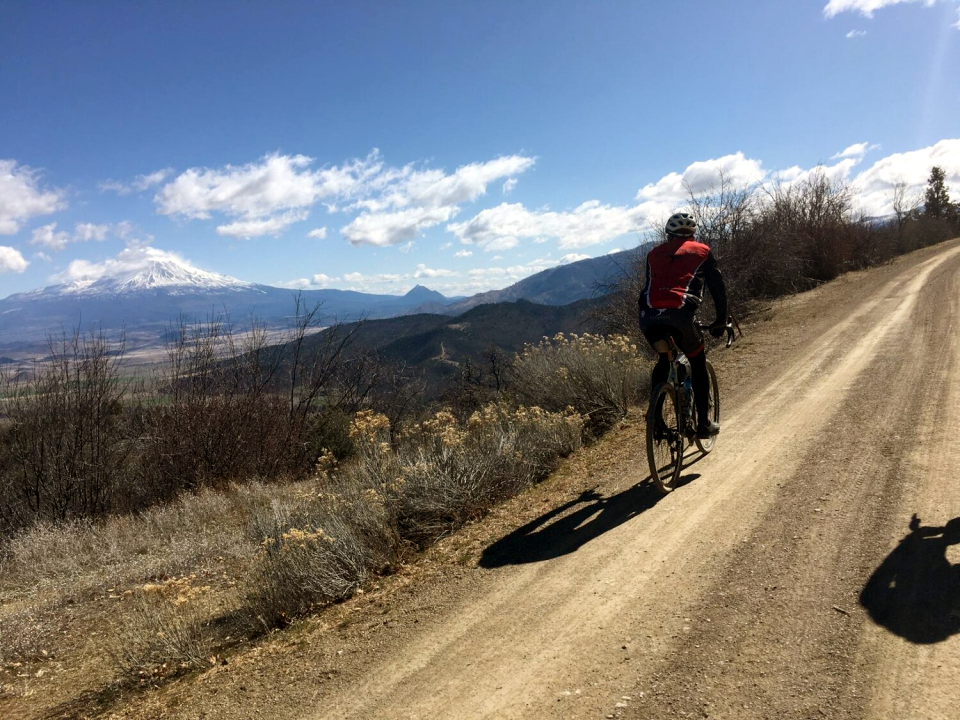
{"x": 598, "y": 376}
{"x": 319, "y": 548}
{"x": 438, "y": 475}
{"x": 451, "y": 472}
{"x": 165, "y": 627}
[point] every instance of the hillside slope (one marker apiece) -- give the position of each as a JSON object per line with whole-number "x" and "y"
{"x": 755, "y": 590}
{"x": 558, "y": 285}
{"x": 435, "y": 344}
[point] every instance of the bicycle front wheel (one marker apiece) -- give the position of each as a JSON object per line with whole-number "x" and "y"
{"x": 705, "y": 445}
{"x": 664, "y": 437}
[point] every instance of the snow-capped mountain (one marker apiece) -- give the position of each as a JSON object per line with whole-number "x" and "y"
{"x": 136, "y": 271}
{"x": 144, "y": 289}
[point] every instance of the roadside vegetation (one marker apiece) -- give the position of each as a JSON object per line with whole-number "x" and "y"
{"x": 775, "y": 240}
{"x": 245, "y": 484}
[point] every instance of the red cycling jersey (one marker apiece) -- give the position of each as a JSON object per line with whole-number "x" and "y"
{"x": 676, "y": 272}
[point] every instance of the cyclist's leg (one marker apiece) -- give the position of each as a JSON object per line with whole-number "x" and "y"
{"x": 701, "y": 384}
{"x": 656, "y": 333}
{"x": 691, "y": 342}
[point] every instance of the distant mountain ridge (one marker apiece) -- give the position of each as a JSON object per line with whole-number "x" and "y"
{"x": 144, "y": 293}
{"x": 560, "y": 285}
{"x": 435, "y": 345}
{"x": 153, "y": 289}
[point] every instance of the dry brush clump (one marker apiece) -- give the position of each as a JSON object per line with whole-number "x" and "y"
{"x": 318, "y": 549}
{"x": 451, "y": 472}
{"x": 166, "y": 626}
{"x": 64, "y": 448}
{"x": 363, "y": 516}
{"x": 599, "y": 376}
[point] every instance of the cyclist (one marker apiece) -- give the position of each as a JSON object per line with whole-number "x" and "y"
{"x": 676, "y": 272}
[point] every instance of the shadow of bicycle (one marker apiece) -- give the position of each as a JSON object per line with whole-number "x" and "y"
{"x": 915, "y": 592}
{"x": 567, "y": 528}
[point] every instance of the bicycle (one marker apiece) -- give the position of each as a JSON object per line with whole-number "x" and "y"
{"x": 671, "y": 416}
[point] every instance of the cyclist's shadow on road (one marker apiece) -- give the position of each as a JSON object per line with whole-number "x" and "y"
{"x": 564, "y": 530}
{"x": 915, "y": 592}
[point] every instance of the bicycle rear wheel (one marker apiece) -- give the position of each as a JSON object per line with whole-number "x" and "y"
{"x": 706, "y": 444}
{"x": 664, "y": 439}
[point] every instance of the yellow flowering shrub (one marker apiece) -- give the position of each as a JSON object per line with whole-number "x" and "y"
{"x": 598, "y": 375}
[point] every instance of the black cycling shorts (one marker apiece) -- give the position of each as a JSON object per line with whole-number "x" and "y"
{"x": 668, "y": 322}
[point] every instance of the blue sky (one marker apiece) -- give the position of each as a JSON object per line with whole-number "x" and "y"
{"x": 461, "y": 145}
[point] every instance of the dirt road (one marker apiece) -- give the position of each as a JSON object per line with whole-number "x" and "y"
{"x": 783, "y": 580}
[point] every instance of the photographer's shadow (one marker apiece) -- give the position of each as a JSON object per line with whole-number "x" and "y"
{"x": 565, "y": 529}
{"x": 915, "y": 592}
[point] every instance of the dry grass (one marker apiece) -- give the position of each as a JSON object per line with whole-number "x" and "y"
{"x": 598, "y": 376}
{"x": 172, "y": 588}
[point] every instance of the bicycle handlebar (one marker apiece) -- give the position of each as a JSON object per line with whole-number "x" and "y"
{"x": 729, "y": 327}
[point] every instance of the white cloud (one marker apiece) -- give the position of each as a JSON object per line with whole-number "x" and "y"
{"x": 11, "y": 260}
{"x": 423, "y": 271}
{"x": 463, "y": 253}
{"x": 509, "y": 185}
{"x": 857, "y": 150}
{"x": 396, "y": 203}
{"x": 41, "y": 255}
{"x": 614, "y": 251}
{"x": 407, "y": 247}
{"x": 385, "y": 229}
{"x": 318, "y": 234}
{"x": 56, "y": 240}
{"x": 49, "y": 237}
{"x": 660, "y": 199}
{"x": 875, "y": 184}
{"x": 83, "y": 232}
{"x": 276, "y": 183}
{"x": 138, "y": 184}
{"x": 865, "y": 7}
{"x": 128, "y": 260}
{"x": 856, "y": 33}
{"x": 375, "y": 283}
{"x": 251, "y": 228}
{"x": 432, "y": 188}
{"x": 22, "y": 198}
{"x": 573, "y": 257}
{"x": 319, "y": 281}
{"x": 501, "y": 227}
{"x": 413, "y": 200}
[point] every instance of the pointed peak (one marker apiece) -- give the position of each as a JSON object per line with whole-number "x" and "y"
{"x": 421, "y": 292}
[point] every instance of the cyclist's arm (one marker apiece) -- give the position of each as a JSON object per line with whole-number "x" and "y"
{"x": 716, "y": 286}
{"x": 642, "y": 302}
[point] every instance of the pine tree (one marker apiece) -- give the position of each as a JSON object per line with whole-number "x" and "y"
{"x": 937, "y": 200}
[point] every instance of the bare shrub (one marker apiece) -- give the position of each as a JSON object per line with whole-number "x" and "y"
{"x": 227, "y": 408}
{"x": 451, "y": 472}
{"x": 164, "y": 628}
{"x": 598, "y": 376}
{"x": 319, "y": 549}
{"x": 65, "y": 445}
